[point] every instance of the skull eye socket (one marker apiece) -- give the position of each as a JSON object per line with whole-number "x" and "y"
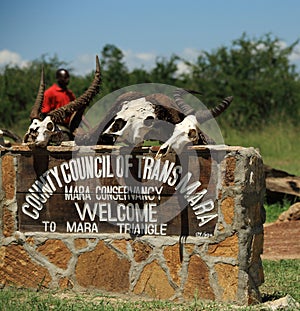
{"x": 192, "y": 135}
{"x": 118, "y": 125}
{"x": 50, "y": 126}
{"x": 148, "y": 121}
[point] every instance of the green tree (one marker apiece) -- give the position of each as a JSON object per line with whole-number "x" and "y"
{"x": 140, "y": 75}
{"x": 165, "y": 71}
{"x": 18, "y": 90}
{"x": 114, "y": 72}
{"x": 257, "y": 72}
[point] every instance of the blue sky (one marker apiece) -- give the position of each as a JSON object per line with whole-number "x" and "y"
{"x": 76, "y": 30}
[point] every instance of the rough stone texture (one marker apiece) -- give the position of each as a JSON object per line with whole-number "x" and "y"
{"x": 141, "y": 251}
{"x": 228, "y": 280}
{"x": 17, "y": 268}
{"x": 189, "y": 248}
{"x": 284, "y": 303}
{"x": 30, "y": 241}
{"x": 8, "y": 219}
{"x": 172, "y": 257}
{"x": 293, "y": 213}
{"x": 154, "y": 282}
{"x": 80, "y": 243}
{"x": 229, "y": 173}
{"x": 226, "y": 248}
{"x": 121, "y": 245}
{"x": 197, "y": 283}
{"x": 256, "y": 272}
{"x": 103, "y": 269}
{"x": 8, "y": 176}
{"x": 65, "y": 283}
{"x": 227, "y": 207}
{"x": 57, "y": 253}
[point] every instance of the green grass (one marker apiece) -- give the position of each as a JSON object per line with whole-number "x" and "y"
{"x": 278, "y": 143}
{"x": 281, "y": 278}
{"x": 274, "y": 210}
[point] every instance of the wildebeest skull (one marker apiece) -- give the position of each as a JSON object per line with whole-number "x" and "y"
{"x": 45, "y": 129}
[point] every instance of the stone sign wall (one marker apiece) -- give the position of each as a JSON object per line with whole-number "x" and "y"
{"x": 122, "y": 221}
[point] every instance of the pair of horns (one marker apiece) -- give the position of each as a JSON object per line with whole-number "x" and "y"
{"x": 201, "y": 115}
{"x": 59, "y": 114}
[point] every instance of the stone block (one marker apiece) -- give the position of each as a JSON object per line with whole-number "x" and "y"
{"x": 172, "y": 257}
{"x": 8, "y": 220}
{"x": 197, "y": 283}
{"x": 8, "y": 176}
{"x": 228, "y": 281}
{"x": 102, "y": 268}
{"x": 141, "y": 250}
{"x": 154, "y": 283}
{"x": 227, "y": 248}
{"x": 57, "y": 253}
{"x": 18, "y": 269}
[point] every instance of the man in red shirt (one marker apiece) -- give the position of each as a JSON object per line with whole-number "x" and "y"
{"x": 58, "y": 94}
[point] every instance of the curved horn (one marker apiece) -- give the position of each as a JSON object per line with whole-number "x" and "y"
{"x": 11, "y": 135}
{"x": 181, "y": 104}
{"x": 36, "y": 109}
{"x": 184, "y": 108}
{"x": 203, "y": 116}
{"x": 58, "y": 115}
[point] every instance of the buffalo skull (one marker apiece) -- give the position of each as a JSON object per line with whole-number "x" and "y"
{"x": 136, "y": 117}
{"x": 133, "y": 121}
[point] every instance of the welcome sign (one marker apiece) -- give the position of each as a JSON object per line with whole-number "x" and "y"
{"x": 119, "y": 191}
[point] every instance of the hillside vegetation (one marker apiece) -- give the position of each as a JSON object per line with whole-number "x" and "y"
{"x": 256, "y": 71}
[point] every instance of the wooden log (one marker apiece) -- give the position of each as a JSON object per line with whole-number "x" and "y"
{"x": 281, "y": 185}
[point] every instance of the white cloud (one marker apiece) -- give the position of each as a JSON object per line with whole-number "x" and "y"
{"x": 190, "y": 54}
{"x": 135, "y": 60}
{"x": 295, "y": 55}
{"x": 84, "y": 64}
{"x": 182, "y": 68}
{"x": 146, "y": 56}
{"x": 11, "y": 58}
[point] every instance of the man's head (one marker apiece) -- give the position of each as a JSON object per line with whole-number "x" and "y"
{"x": 62, "y": 77}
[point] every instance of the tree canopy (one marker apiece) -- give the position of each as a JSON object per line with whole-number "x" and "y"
{"x": 257, "y": 72}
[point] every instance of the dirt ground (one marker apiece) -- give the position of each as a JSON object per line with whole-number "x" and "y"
{"x": 281, "y": 240}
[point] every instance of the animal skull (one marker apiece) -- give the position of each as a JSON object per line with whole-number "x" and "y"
{"x": 133, "y": 121}
{"x": 41, "y": 132}
{"x": 185, "y": 132}
{"x": 188, "y": 130}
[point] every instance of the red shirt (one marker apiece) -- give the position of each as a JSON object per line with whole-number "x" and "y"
{"x": 55, "y": 97}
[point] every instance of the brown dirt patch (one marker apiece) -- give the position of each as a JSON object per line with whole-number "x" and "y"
{"x": 281, "y": 240}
